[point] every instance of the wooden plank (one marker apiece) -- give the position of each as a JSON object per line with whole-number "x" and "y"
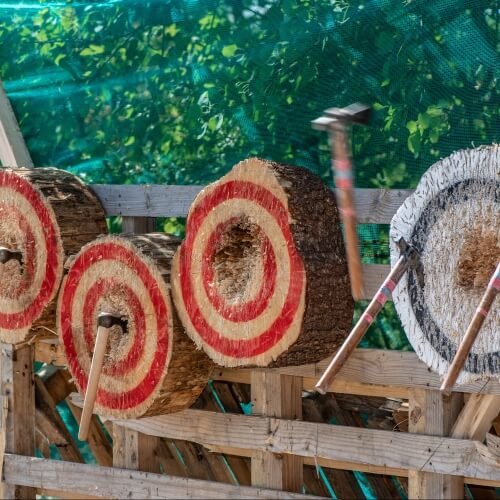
{"x": 477, "y": 416}
{"x": 432, "y": 414}
{"x": 322, "y": 441}
{"x": 370, "y": 372}
{"x": 18, "y": 385}
{"x": 122, "y": 483}
{"x": 373, "y": 206}
{"x": 13, "y": 150}
{"x": 138, "y": 225}
{"x": 4, "y": 405}
{"x": 276, "y": 395}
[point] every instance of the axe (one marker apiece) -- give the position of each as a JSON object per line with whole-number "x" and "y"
{"x": 409, "y": 258}
{"x": 472, "y": 332}
{"x": 337, "y": 122}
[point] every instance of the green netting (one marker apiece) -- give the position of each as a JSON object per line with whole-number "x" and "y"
{"x": 178, "y": 91}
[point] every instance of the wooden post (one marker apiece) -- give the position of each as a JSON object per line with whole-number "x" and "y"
{"x": 279, "y": 396}
{"x": 132, "y": 449}
{"x": 18, "y": 386}
{"x": 432, "y": 414}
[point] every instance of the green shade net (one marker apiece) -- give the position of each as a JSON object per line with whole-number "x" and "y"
{"x": 177, "y": 92}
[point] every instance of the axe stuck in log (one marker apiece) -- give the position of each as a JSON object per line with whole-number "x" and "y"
{"x": 472, "y": 332}
{"x": 337, "y": 122}
{"x": 409, "y": 259}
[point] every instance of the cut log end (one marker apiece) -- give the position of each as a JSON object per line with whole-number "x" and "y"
{"x": 261, "y": 278}
{"x": 45, "y": 214}
{"x": 150, "y": 366}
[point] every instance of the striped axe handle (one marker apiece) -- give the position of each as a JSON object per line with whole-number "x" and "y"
{"x": 343, "y": 176}
{"x": 367, "y": 318}
{"x": 472, "y": 333}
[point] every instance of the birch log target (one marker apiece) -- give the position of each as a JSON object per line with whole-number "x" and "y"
{"x": 150, "y": 367}
{"x": 261, "y": 277}
{"x": 45, "y": 215}
{"x": 453, "y": 221}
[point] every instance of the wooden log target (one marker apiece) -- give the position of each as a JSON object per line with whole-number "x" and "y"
{"x": 261, "y": 278}
{"x": 153, "y": 367}
{"x": 453, "y": 221}
{"x": 45, "y": 215}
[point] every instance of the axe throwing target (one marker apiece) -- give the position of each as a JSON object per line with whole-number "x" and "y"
{"x": 261, "y": 278}
{"x": 151, "y": 367}
{"x": 45, "y": 215}
{"x": 453, "y": 221}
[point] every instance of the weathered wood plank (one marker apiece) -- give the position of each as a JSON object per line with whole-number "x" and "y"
{"x": 457, "y": 457}
{"x": 16, "y": 369}
{"x": 13, "y": 150}
{"x": 373, "y": 206}
{"x": 121, "y": 483}
{"x": 432, "y": 414}
{"x": 476, "y": 417}
{"x": 370, "y": 372}
{"x": 279, "y": 396}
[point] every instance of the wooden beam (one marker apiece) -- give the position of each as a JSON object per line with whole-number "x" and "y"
{"x": 13, "y": 150}
{"x": 4, "y": 405}
{"x": 18, "y": 385}
{"x": 433, "y": 414}
{"x": 477, "y": 416}
{"x": 278, "y": 396}
{"x": 122, "y": 483}
{"x": 373, "y": 206}
{"x": 378, "y": 448}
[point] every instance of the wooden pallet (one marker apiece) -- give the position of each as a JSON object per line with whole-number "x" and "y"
{"x": 274, "y": 453}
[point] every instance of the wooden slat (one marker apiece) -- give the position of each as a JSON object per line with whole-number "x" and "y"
{"x": 370, "y": 372}
{"x": 18, "y": 384}
{"x": 476, "y": 417}
{"x": 374, "y": 206}
{"x": 276, "y": 395}
{"x": 122, "y": 483}
{"x": 13, "y": 150}
{"x": 364, "y": 446}
{"x": 432, "y": 414}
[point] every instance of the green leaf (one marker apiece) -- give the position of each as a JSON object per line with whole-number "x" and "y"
{"x": 229, "y": 50}
{"x": 412, "y": 126}
{"x": 59, "y": 58}
{"x": 172, "y": 30}
{"x": 414, "y": 143}
{"x": 92, "y": 50}
{"x": 129, "y": 141}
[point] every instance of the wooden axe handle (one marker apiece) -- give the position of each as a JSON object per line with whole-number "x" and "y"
{"x": 343, "y": 176}
{"x": 93, "y": 382}
{"x": 367, "y": 318}
{"x": 472, "y": 333}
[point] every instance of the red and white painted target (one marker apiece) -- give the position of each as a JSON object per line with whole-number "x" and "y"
{"x": 27, "y": 225}
{"x": 112, "y": 275}
{"x": 239, "y": 278}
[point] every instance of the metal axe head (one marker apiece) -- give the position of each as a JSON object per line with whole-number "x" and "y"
{"x": 355, "y": 113}
{"x": 6, "y": 255}
{"x": 107, "y": 320}
{"x": 413, "y": 259}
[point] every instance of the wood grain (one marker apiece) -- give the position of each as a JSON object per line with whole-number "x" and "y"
{"x": 373, "y": 206}
{"x": 458, "y": 457}
{"x": 120, "y": 483}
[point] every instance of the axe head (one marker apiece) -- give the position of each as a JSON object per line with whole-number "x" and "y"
{"x": 107, "y": 320}
{"x": 355, "y": 113}
{"x": 413, "y": 259}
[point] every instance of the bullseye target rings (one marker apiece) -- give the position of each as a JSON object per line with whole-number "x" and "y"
{"x": 151, "y": 367}
{"x": 40, "y": 225}
{"x": 261, "y": 277}
{"x": 453, "y": 221}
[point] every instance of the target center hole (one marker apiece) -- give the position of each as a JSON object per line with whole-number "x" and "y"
{"x": 237, "y": 261}
{"x": 479, "y": 256}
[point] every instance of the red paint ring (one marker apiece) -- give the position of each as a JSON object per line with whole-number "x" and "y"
{"x": 25, "y": 318}
{"x": 252, "y": 308}
{"x": 145, "y": 387}
{"x": 90, "y": 311}
{"x": 241, "y": 348}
